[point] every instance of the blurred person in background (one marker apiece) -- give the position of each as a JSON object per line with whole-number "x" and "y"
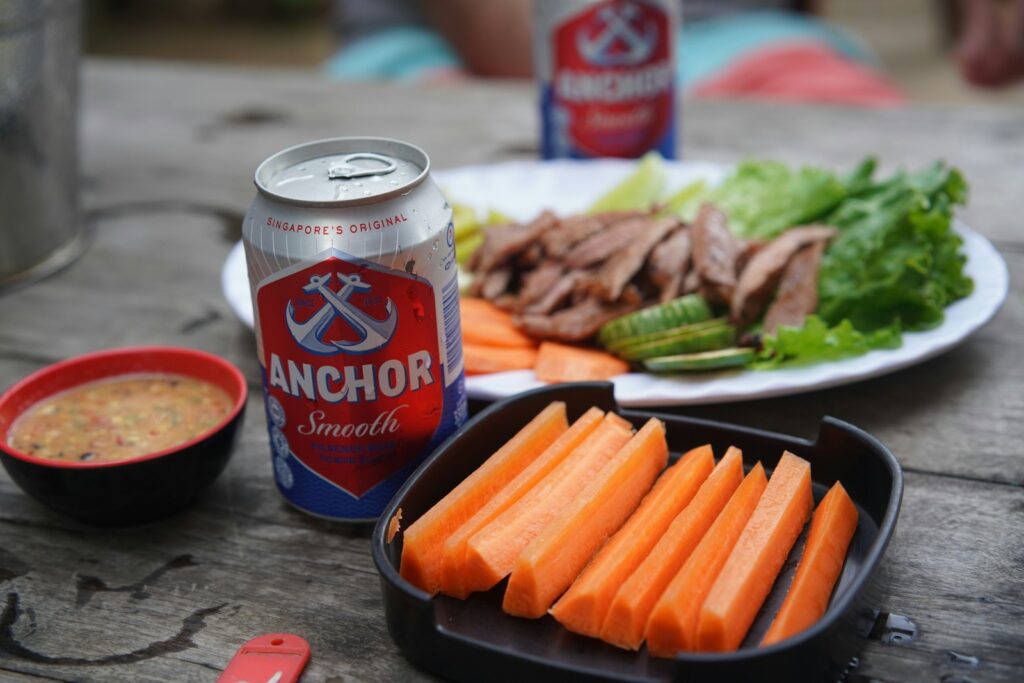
{"x": 757, "y": 48}
{"x": 768, "y": 49}
{"x": 990, "y": 50}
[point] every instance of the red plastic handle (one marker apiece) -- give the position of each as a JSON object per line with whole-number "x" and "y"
{"x": 270, "y": 658}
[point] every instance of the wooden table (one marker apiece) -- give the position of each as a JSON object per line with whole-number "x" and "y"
{"x": 168, "y": 160}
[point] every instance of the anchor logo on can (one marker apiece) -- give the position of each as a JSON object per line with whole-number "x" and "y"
{"x": 373, "y": 333}
{"x": 626, "y": 36}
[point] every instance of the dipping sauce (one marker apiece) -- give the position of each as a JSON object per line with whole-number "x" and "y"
{"x": 119, "y": 418}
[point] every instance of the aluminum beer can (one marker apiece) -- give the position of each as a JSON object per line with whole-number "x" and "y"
{"x": 351, "y": 256}
{"x": 606, "y": 70}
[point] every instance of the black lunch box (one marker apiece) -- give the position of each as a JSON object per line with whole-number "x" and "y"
{"x": 473, "y": 640}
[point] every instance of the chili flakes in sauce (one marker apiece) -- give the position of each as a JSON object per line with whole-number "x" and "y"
{"x": 119, "y": 418}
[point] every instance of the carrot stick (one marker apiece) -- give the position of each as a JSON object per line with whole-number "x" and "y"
{"x": 627, "y": 617}
{"x": 421, "y": 546}
{"x": 755, "y": 561}
{"x": 583, "y": 607}
{"x": 672, "y": 627}
{"x": 482, "y": 360}
{"x": 549, "y": 564}
{"x": 491, "y": 553}
{"x": 482, "y": 309}
{"x": 454, "y": 554}
{"x": 832, "y": 529}
{"x": 564, "y": 363}
{"x": 488, "y": 332}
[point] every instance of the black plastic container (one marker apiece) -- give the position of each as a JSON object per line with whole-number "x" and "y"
{"x": 473, "y": 640}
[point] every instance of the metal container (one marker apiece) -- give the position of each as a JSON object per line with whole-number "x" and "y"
{"x": 39, "y": 54}
{"x": 606, "y": 71}
{"x": 351, "y": 255}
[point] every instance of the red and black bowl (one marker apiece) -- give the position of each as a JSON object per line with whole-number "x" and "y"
{"x": 133, "y": 490}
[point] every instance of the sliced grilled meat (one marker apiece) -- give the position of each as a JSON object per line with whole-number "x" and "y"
{"x": 761, "y": 276}
{"x": 557, "y": 294}
{"x": 493, "y": 284}
{"x": 601, "y": 245}
{"x": 797, "y": 295}
{"x": 715, "y": 253}
{"x": 530, "y": 257}
{"x": 501, "y": 245}
{"x": 615, "y": 273}
{"x": 747, "y": 250}
{"x": 538, "y": 282}
{"x": 576, "y": 323}
{"x": 669, "y": 262}
{"x": 572, "y": 230}
{"x": 691, "y": 283}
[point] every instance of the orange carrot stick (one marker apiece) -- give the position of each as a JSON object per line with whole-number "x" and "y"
{"x": 564, "y": 363}
{"x": 489, "y": 332}
{"x": 482, "y": 309}
{"x": 422, "y": 541}
{"x": 627, "y": 617}
{"x": 672, "y": 627}
{"x": 583, "y": 607}
{"x": 491, "y": 552}
{"x": 483, "y": 360}
{"x": 549, "y": 564}
{"x": 832, "y": 529}
{"x": 755, "y": 561}
{"x": 454, "y": 560}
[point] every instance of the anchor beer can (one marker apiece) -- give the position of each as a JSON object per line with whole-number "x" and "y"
{"x": 606, "y": 71}
{"x": 351, "y": 256}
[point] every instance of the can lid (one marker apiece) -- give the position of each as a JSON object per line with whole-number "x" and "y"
{"x": 340, "y": 172}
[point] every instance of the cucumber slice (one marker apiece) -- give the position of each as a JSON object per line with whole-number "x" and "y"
{"x": 706, "y": 340}
{"x": 639, "y": 190}
{"x": 695, "y": 362}
{"x": 673, "y": 332}
{"x": 682, "y": 311}
{"x": 685, "y": 202}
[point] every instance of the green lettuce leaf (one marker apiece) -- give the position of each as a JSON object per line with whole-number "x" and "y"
{"x": 763, "y": 198}
{"x": 816, "y": 342}
{"x": 897, "y": 259}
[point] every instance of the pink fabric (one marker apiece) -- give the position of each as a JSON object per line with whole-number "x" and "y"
{"x": 802, "y": 72}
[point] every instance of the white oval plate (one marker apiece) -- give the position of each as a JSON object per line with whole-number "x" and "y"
{"x": 521, "y": 189}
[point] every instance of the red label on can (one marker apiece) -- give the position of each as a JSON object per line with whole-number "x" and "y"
{"x": 613, "y": 76}
{"x": 350, "y": 350}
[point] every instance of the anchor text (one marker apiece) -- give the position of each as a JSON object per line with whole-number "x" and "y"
{"x": 352, "y": 383}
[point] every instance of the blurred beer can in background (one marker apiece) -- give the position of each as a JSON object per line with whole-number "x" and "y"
{"x": 351, "y": 255}
{"x": 606, "y": 70}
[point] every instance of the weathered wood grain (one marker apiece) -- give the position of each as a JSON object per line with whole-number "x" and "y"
{"x": 168, "y": 155}
{"x": 955, "y": 568}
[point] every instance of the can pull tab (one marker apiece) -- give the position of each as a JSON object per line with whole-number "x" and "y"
{"x": 346, "y": 169}
{"x": 270, "y": 658}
